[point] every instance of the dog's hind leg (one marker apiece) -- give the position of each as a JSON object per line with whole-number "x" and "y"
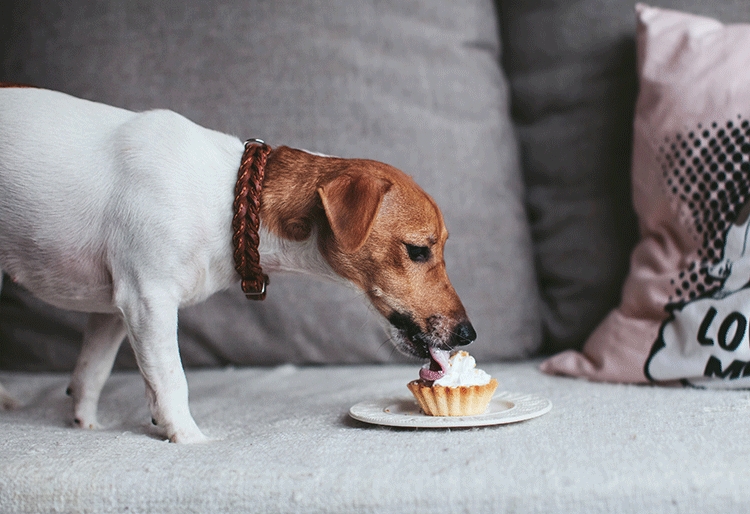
{"x": 7, "y": 402}
{"x": 101, "y": 339}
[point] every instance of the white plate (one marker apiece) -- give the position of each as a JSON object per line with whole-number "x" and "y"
{"x": 505, "y": 407}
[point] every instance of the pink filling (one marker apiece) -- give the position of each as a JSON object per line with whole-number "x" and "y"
{"x": 438, "y": 365}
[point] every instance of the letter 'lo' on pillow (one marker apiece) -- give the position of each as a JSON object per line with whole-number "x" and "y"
{"x": 685, "y": 309}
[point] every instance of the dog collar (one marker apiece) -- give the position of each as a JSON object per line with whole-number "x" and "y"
{"x": 246, "y": 220}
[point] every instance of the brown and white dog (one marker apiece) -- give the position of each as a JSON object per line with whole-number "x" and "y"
{"x": 128, "y": 216}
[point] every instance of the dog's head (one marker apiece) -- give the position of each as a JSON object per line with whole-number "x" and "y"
{"x": 382, "y": 232}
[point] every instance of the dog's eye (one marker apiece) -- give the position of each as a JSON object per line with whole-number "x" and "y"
{"x": 418, "y": 253}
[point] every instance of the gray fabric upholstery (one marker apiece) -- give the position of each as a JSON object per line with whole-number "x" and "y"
{"x": 407, "y": 83}
{"x": 571, "y": 65}
{"x": 284, "y": 443}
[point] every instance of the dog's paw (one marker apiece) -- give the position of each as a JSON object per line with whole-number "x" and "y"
{"x": 188, "y": 437}
{"x": 86, "y": 423}
{"x": 187, "y": 434}
{"x": 176, "y": 436}
{"x": 84, "y": 416}
{"x": 7, "y": 402}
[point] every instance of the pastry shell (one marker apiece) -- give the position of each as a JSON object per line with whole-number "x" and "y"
{"x": 452, "y": 401}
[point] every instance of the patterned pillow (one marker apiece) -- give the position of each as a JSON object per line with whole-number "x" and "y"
{"x": 685, "y": 304}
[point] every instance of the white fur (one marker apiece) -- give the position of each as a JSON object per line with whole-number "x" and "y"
{"x": 128, "y": 216}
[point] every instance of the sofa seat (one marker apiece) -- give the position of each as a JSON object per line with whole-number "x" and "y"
{"x": 283, "y": 442}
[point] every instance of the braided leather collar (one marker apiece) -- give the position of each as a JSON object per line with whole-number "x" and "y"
{"x": 246, "y": 220}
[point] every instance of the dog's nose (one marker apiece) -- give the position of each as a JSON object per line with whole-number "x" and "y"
{"x": 463, "y": 334}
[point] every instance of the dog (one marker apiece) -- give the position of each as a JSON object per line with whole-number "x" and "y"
{"x": 128, "y": 216}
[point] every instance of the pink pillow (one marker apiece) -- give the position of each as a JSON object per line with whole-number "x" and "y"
{"x": 686, "y": 301}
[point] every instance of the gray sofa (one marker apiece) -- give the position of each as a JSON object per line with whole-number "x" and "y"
{"x": 516, "y": 117}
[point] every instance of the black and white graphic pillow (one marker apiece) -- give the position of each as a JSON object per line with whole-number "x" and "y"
{"x": 706, "y": 335}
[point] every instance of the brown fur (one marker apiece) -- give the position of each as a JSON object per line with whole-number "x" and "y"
{"x": 366, "y": 212}
{"x": 13, "y": 84}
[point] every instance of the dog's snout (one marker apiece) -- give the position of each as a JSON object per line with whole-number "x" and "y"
{"x": 463, "y": 334}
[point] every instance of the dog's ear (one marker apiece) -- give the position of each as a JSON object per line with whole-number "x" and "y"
{"x": 351, "y": 202}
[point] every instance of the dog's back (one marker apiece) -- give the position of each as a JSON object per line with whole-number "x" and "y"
{"x": 80, "y": 177}
{"x": 47, "y": 166}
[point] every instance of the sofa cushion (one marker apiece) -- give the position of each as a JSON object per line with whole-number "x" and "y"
{"x": 571, "y": 66}
{"x": 685, "y": 301}
{"x": 407, "y": 83}
{"x": 283, "y": 442}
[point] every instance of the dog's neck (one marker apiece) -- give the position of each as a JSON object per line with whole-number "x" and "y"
{"x": 278, "y": 254}
{"x": 290, "y": 205}
{"x": 292, "y": 218}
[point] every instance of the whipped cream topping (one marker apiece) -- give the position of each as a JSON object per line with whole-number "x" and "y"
{"x": 458, "y": 370}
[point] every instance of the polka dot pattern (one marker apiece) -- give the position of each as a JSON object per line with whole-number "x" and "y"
{"x": 706, "y": 170}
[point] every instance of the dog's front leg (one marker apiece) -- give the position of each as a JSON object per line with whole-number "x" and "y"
{"x": 101, "y": 340}
{"x": 152, "y": 327}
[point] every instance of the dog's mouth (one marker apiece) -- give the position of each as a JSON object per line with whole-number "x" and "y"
{"x": 408, "y": 337}
{"x": 438, "y": 365}
{"x": 411, "y": 340}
